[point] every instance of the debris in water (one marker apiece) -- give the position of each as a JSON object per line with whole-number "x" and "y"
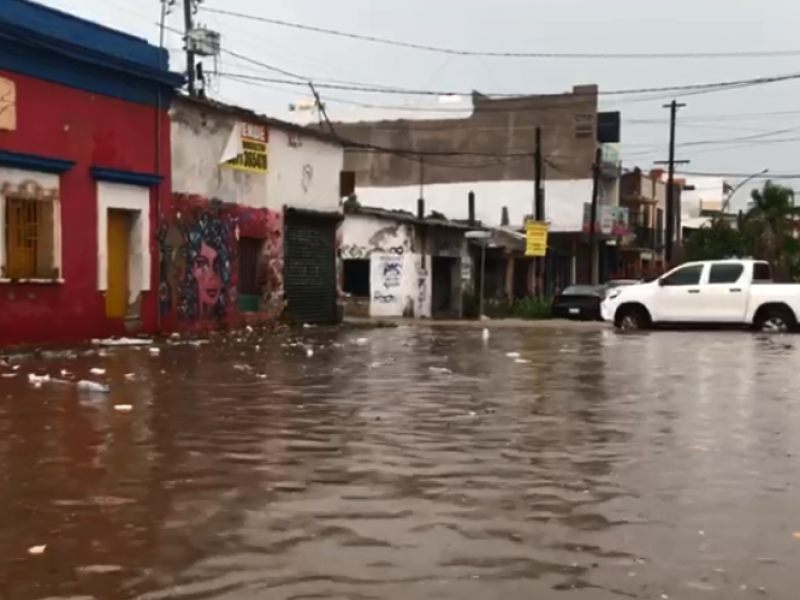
{"x": 123, "y": 408}
{"x": 99, "y": 569}
{"x": 485, "y": 333}
{"x": 123, "y": 342}
{"x": 155, "y": 351}
{"x": 441, "y": 371}
{"x": 97, "y": 371}
{"x": 92, "y": 386}
{"x": 309, "y": 352}
{"x": 521, "y": 361}
{"x": 37, "y": 549}
{"x": 513, "y": 355}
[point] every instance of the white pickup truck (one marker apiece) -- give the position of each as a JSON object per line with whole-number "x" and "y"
{"x": 715, "y": 293}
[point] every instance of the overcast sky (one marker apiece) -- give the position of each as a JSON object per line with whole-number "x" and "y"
{"x": 564, "y": 26}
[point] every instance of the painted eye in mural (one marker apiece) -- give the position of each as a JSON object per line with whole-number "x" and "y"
{"x": 201, "y": 263}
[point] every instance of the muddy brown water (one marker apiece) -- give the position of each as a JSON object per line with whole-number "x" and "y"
{"x": 607, "y": 466}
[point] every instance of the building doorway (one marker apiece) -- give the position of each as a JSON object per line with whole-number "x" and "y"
{"x": 250, "y": 252}
{"x": 522, "y": 277}
{"x": 356, "y": 285}
{"x": 118, "y": 228}
{"x": 443, "y": 301}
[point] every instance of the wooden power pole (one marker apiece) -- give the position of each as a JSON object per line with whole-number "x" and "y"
{"x": 673, "y": 211}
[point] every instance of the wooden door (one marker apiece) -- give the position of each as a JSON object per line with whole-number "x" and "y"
{"x": 118, "y": 236}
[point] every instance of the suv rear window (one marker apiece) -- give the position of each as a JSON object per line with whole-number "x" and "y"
{"x": 762, "y": 272}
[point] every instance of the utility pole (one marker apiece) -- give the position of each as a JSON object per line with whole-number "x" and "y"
{"x": 188, "y": 25}
{"x": 538, "y": 206}
{"x": 593, "y": 270}
{"x": 538, "y": 194}
{"x": 673, "y": 212}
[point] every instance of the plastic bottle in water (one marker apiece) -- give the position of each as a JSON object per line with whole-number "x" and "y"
{"x": 93, "y": 386}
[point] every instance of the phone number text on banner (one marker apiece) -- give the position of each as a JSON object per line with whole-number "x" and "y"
{"x": 253, "y": 157}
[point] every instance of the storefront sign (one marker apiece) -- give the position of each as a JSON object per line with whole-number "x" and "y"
{"x": 535, "y": 238}
{"x": 610, "y": 220}
{"x": 253, "y": 141}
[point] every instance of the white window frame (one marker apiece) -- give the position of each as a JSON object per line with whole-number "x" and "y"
{"x": 19, "y": 182}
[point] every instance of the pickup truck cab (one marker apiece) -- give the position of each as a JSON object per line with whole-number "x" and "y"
{"x": 717, "y": 293}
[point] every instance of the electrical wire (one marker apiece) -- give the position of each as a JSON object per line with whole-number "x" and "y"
{"x": 482, "y": 54}
{"x": 496, "y": 158}
{"x": 509, "y": 96}
{"x": 764, "y": 176}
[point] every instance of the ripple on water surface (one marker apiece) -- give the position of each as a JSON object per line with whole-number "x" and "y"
{"x": 420, "y": 463}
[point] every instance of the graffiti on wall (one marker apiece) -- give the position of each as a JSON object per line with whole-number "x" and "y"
{"x": 389, "y": 271}
{"x": 353, "y": 251}
{"x": 466, "y": 272}
{"x": 199, "y": 258}
{"x": 422, "y": 288}
{"x": 340, "y": 296}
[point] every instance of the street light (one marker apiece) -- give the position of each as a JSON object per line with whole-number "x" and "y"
{"x": 483, "y": 237}
{"x": 727, "y": 202}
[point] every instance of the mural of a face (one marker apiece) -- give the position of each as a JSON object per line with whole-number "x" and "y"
{"x": 205, "y": 288}
{"x": 206, "y": 270}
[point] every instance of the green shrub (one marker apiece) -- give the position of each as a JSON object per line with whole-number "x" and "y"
{"x": 532, "y": 308}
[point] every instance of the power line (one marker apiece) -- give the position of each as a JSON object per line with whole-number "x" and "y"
{"x": 373, "y": 89}
{"x": 475, "y": 53}
{"x": 740, "y": 175}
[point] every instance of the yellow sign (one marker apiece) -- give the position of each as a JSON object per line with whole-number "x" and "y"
{"x": 253, "y": 157}
{"x": 535, "y": 238}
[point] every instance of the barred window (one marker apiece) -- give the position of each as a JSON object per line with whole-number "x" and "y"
{"x": 29, "y": 222}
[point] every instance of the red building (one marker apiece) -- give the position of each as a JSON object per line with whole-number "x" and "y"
{"x": 84, "y": 166}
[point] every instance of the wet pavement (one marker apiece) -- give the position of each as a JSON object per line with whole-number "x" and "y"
{"x": 408, "y": 463}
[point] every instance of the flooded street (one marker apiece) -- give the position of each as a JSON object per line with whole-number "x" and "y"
{"x": 408, "y": 463}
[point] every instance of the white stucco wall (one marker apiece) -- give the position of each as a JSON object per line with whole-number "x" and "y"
{"x": 199, "y": 140}
{"x": 389, "y": 246}
{"x": 708, "y": 194}
{"x": 564, "y": 200}
{"x": 303, "y": 171}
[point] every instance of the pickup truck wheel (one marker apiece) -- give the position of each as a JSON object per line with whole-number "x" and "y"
{"x": 775, "y": 320}
{"x": 631, "y": 318}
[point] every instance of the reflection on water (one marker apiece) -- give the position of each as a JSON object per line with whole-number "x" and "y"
{"x": 608, "y": 466}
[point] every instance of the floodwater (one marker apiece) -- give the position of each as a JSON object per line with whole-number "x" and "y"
{"x": 608, "y": 466}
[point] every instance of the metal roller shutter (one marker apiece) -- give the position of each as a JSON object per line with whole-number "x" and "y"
{"x": 309, "y": 271}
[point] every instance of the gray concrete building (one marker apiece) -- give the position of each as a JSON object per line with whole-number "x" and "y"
{"x": 490, "y": 153}
{"x": 500, "y": 127}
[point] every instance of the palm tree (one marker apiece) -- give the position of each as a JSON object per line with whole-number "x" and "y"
{"x": 771, "y": 223}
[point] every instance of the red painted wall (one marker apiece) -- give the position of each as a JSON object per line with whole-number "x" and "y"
{"x": 199, "y": 244}
{"x": 60, "y": 122}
